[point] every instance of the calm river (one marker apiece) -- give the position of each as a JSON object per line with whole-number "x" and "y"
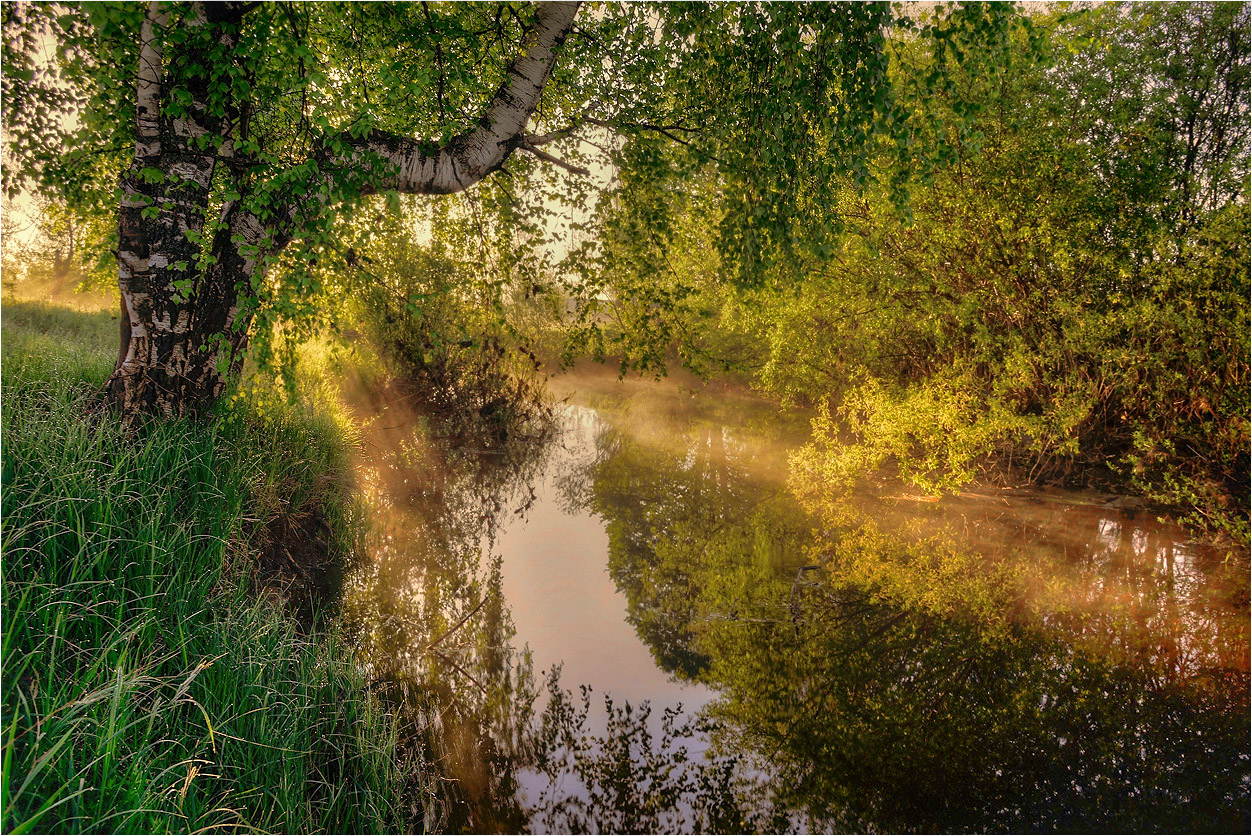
{"x": 633, "y": 625}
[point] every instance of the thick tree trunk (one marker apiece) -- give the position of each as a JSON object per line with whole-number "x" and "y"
{"x": 184, "y": 331}
{"x": 175, "y": 350}
{"x": 169, "y": 366}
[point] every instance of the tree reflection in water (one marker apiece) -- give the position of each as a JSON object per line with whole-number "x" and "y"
{"x": 889, "y": 671}
{"x": 879, "y": 665}
{"x": 636, "y": 777}
{"x": 427, "y": 612}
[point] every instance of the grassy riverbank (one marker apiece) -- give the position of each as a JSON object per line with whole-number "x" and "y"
{"x": 152, "y": 678}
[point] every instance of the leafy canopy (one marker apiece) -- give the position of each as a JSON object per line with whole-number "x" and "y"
{"x": 779, "y": 102}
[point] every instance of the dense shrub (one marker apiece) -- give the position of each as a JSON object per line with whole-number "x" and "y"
{"x": 1064, "y": 297}
{"x": 445, "y": 334}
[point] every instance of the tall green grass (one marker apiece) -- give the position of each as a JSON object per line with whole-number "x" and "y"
{"x": 147, "y": 686}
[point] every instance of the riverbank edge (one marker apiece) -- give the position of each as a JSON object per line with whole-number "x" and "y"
{"x": 999, "y": 475}
{"x": 155, "y": 673}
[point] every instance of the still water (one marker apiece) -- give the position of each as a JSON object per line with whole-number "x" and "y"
{"x": 629, "y": 622}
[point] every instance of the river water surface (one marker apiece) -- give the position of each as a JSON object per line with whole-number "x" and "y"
{"x": 632, "y": 624}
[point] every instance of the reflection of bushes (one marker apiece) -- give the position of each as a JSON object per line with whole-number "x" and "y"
{"x": 910, "y": 680}
{"x": 671, "y": 509}
{"x": 633, "y": 780}
{"x": 427, "y": 613}
{"x": 1108, "y": 582}
{"x": 880, "y": 718}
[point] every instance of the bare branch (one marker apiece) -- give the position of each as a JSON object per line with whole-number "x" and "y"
{"x": 527, "y": 145}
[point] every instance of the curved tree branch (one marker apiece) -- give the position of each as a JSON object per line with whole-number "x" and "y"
{"x": 471, "y": 156}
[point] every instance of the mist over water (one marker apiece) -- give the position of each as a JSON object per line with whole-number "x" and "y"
{"x": 996, "y": 660}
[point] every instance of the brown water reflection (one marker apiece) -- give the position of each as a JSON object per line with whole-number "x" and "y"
{"x": 1120, "y": 582}
{"x": 1006, "y": 662}
{"x": 427, "y": 612}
